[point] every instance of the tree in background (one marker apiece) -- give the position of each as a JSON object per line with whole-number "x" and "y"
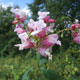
{"x": 57, "y": 8}
{"x": 7, "y": 37}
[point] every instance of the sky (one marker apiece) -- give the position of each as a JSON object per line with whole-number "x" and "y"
{"x": 20, "y": 3}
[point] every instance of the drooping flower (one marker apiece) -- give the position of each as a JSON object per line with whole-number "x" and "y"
{"x": 31, "y": 25}
{"x": 25, "y": 44}
{"x": 73, "y": 26}
{"x": 50, "y": 40}
{"x": 42, "y": 15}
{"x": 45, "y": 52}
{"x": 38, "y": 27}
{"x": 19, "y": 30}
{"x": 46, "y": 19}
{"x": 19, "y": 14}
{"x": 77, "y": 39}
{"x": 23, "y": 36}
{"x": 42, "y": 33}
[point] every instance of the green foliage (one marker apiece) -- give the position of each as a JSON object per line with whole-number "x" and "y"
{"x": 25, "y": 77}
{"x": 64, "y": 66}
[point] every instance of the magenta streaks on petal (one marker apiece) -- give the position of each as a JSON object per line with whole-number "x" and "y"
{"x": 42, "y": 33}
{"x": 19, "y": 30}
{"x": 46, "y": 19}
{"x": 51, "y": 20}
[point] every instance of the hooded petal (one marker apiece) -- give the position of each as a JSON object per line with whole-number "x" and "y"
{"x": 45, "y": 52}
{"x": 50, "y": 40}
{"x": 19, "y": 30}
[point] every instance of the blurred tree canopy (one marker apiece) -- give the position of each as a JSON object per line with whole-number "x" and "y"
{"x": 7, "y": 37}
{"x": 57, "y": 8}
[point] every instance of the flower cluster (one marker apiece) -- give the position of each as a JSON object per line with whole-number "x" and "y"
{"x": 76, "y": 31}
{"x": 38, "y": 34}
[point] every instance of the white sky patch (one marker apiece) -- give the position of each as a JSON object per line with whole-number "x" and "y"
{"x": 5, "y": 6}
{"x": 12, "y": 4}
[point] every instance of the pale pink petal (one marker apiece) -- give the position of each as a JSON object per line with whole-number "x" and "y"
{"x": 19, "y": 25}
{"x": 23, "y": 36}
{"x": 50, "y": 40}
{"x": 35, "y": 32}
{"x": 42, "y": 51}
{"x": 22, "y": 19}
{"x": 58, "y": 42}
{"x": 21, "y": 47}
{"x": 19, "y": 30}
{"x": 42, "y": 15}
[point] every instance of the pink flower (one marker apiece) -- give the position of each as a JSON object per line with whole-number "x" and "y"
{"x": 31, "y": 25}
{"x": 42, "y": 51}
{"x": 22, "y": 19}
{"x": 74, "y": 34}
{"x": 42, "y": 33}
{"x": 51, "y": 20}
{"x": 51, "y": 40}
{"x": 30, "y": 44}
{"x": 25, "y": 44}
{"x": 20, "y": 14}
{"x": 38, "y": 27}
{"x": 77, "y": 39}
{"x": 16, "y": 15}
{"x": 45, "y": 52}
{"x": 50, "y": 29}
{"x": 79, "y": 26}
{"x": 73, "y": 26}
{"x": 78, "y": 34}
{"x": 23, "y": 36}
{"x": 42, "y": 15}
{"x": 46, "y": 19}
{"x": 19, "y": 30}
{"x": 19, "y": 25}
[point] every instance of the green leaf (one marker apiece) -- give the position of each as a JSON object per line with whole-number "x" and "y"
{"x": 49, "y": 74}
{"x": 25, "y": 77}
{"x": 38, "y": 55}
{"x": 62, "y": 35}
{"x": 42, "y": 61}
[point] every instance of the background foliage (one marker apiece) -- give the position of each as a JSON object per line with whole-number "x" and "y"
{"x": 23, "y": 65}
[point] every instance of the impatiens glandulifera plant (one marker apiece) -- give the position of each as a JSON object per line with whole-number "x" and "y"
{"x": 38, "y": 35}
